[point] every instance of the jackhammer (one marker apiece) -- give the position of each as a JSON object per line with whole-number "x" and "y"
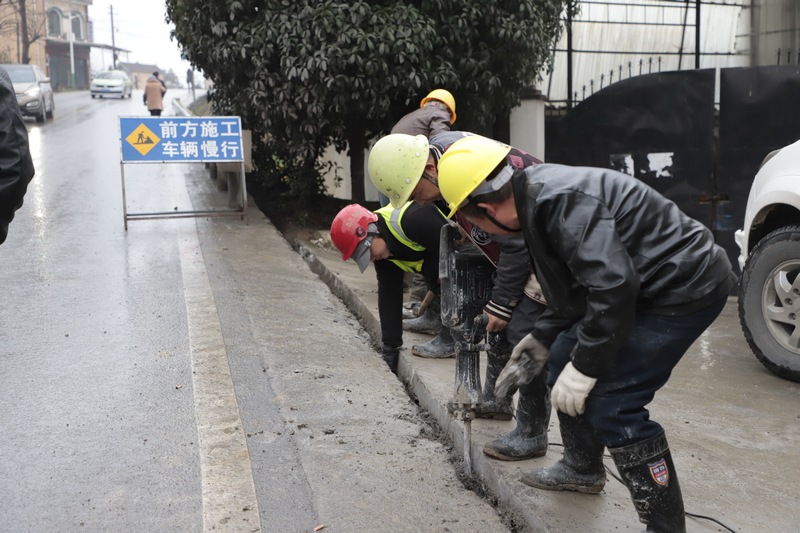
{"x": 466, "y": 284}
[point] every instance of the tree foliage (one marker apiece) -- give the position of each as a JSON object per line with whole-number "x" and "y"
{"x": 306, "y": 74}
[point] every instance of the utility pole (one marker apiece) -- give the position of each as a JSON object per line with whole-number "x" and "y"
{"x": 71, "y": 50}
{"x": 113, "y": 46}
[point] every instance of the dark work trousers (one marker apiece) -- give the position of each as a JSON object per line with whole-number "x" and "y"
{"x": 615, "y": 407}
{"x": 523, "y": 317}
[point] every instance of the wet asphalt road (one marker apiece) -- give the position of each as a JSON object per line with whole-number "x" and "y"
{"x": 194, "y": 375}
{"x": 190, "y": 374}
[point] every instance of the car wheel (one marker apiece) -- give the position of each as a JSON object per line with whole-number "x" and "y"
{"x": 41, "y": 117}
{"x": 769, "y": 302}
{"x": 94, "y": 96}
{"x": 52, "y": 110}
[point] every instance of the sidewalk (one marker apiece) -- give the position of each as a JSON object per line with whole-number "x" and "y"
{"x": 729, "y": 444}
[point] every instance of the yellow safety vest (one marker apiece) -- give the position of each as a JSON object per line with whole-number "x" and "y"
{"x": 392, "y": 217}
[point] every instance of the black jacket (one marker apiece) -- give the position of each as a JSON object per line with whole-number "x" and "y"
{"x": 607, "y": 247}
{"x": 422, "y": 225}
{"x": 16, "y": 166}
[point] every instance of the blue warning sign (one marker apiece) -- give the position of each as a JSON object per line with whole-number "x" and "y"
{"x": 180, "y": 139}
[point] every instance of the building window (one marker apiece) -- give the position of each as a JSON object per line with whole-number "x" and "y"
{"x": 54, "y": 23}
{"x": 77, "y": 26}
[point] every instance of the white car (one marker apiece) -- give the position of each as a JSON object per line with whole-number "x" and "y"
{"x": 112, "y": 83}
{"x": 769, "y": 288}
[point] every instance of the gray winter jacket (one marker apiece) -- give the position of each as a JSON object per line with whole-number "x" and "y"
{"x": 427, "y": 121}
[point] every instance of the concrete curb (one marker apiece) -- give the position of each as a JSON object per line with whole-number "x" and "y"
{"x": 365, "y": 317}
{"x": 489, "y": 479}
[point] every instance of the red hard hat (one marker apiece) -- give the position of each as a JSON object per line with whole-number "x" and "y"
{"x": 350, "y": 227}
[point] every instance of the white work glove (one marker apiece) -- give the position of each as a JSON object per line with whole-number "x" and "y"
{"x": 527, "y": 360}
{"x": 570, "y": 391}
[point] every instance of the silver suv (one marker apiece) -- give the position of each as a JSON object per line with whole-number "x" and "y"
{"x": 769, "y": 288}
{"x": 34, "y": 94}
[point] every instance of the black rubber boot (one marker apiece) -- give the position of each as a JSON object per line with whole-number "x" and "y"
{"x": 391, "y": 356}
{"x": 529, "y": 438}
{"x": 496, "y": 358}
{"x": 647, "y": 470}
{"x": 440, "y": 347}
{"x": 581, "y": 468}
{"x": 430, "y": 322}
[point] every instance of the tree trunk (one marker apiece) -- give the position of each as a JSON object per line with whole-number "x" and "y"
{"x": 502, "y": 127}
{"x": 357, "y": 145}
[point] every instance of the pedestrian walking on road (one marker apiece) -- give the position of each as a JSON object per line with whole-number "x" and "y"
{"x": 154, "y": 91}
{"x": 16, "y": 165}
{"x": 396, "y": 241}
{"x": 630, "y": 281}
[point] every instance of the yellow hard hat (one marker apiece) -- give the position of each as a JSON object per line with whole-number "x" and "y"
{"x": 395, "y": 165}
{"x": 466, "y": 165}
{"x": 445, "y": 97}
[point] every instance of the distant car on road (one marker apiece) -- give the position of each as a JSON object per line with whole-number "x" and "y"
{"x": 769, "y": 289}
{"x": 34, "y": 93}
{"x": 112, "y": 83}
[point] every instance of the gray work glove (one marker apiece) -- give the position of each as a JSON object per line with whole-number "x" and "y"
{"x": 527, "y": 360}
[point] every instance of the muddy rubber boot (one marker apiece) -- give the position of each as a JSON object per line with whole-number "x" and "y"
{"x": 581, "y": 468}
{"x": 391, "y": 356}
{"x": 529, "y": 438}
{"x": 496, "y": 358}
{"x": 440, "y": 347}
{"x": 647, "y": 470}
{"x": 430, "y": 322}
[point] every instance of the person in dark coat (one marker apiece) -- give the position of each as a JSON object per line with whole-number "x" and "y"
{"x": 630, "y": 281}
{"x": 16, "y": 165}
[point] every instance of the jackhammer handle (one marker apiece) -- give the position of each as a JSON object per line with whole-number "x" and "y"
{"x": 480, "y": 321}
{"x": 426, "y": 302}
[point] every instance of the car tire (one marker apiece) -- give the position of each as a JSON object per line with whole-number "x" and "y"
{"x": 769, "y": 302}
{"x": 41, "y": 117}
{"x": 51, "y": 113}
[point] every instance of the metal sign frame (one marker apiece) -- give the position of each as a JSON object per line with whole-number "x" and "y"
{"x": 182, "y": 140}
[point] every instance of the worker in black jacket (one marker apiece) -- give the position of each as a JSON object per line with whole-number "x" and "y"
{"x": 16, "y": 165}
{"x": 630, "y": 281}
{"x": 405, "y": 167}
{"x": 396, "y": 241}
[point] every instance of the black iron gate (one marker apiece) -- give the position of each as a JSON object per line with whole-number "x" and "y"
{"x": 660, "y": 128}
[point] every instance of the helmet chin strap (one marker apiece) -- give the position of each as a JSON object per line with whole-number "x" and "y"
{"x": 499, "y": 224}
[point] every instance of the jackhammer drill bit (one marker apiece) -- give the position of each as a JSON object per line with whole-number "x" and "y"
{"x": 468, "y": 382}
{"x": 465, "y": 276}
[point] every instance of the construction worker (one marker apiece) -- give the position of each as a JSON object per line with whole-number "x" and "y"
{"x": 397, "y": 241}
{"x": 630, "y": 281}
{"x": 436, "y": 113}
{"x": 404, "y": 168}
